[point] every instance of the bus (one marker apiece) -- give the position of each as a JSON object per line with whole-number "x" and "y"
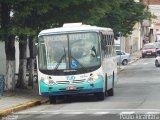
{"x": 76, "y": 59}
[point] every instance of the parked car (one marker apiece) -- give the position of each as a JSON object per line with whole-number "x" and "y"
{"x": 149, "y": 49}
{"x": 123, "y": 57}
{"x": 117, "y": 47}
{"x": 157, "y": 60}
{"x": 157, "y": 46}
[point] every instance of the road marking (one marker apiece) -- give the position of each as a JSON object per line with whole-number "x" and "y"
{"x": 95, "y": 111}
{"x": 153, "y": 113}
{"x": 100, "y": 113}
{"x": 124, "y": 110}
{"x": 75, "y": 113}
{"x": 131, "y": 112}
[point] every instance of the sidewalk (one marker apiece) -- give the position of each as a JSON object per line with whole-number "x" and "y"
{"x": 23, "y": 98}
{"x": 135, "y": 56}
{"x": 20, "y": 99}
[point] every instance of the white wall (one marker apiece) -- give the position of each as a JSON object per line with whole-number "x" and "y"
{"x": 17, "y": 56}
{"x": 135, "y": 38}
{"x": 2, "y": 58}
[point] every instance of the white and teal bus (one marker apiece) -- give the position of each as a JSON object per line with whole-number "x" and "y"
{"x": 75, "y": 60}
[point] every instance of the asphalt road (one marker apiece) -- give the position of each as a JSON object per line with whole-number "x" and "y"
{"x": 136, "y": 97}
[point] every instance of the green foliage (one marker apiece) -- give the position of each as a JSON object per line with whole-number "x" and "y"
{"x": 124, "y": 16}
{"x": 86, "y": 11}
{"x": 31, "y": 16}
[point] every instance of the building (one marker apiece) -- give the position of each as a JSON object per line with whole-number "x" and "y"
{"x": 152, "y": 2}
{"x": 146, "y": 30}
{"x": 154, "y": 7}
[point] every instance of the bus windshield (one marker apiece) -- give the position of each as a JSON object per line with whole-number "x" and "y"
{"x": 69, "y": 51}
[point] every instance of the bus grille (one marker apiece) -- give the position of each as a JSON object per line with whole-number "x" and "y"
{"x": 78, "y": 81}
{"x": 70, "y": 82}
{"x": 62, "y": 82}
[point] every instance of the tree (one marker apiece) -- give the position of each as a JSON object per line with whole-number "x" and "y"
{"x": 124, "y": 16}
{"x": 9, "y": 39}
{"x": 86, "y": 11}
{"x": 27, "y": 21}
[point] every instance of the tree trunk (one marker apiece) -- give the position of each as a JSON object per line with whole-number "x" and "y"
{"x": 9, "y": 46}
{"x": 23, "y": 62}
{"x": 10, "y": 65}
{"x": 31, "y": 62}
{"x": 31, "y": 72}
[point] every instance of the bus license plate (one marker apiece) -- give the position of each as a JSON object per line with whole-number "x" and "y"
{"x": 71, "y": 88}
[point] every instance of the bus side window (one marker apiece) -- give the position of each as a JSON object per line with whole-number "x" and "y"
{"x": 107, "y": 45}
{"x": 103, "y": 42}
{"x": 110, "y": 45}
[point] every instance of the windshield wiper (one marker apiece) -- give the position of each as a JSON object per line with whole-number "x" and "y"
{"x": 64, "y": 55}
{"x": 78, "y": 63}
{"x": 59, "y": 62}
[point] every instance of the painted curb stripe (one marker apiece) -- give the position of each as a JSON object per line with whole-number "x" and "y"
{"x": 22, "y": 107}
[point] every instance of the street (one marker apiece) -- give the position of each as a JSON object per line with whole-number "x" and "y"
{"x": 136, "y": 93}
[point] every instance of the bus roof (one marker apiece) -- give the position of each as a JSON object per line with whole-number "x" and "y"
{"x": 75, "y": 28}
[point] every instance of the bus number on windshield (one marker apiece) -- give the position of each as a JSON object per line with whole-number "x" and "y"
{"x": 70, "y": 77}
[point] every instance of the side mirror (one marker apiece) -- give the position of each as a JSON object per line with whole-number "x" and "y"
{"x": 117, "y": 35}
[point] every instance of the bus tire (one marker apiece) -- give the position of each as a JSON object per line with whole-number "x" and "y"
{"x": 68, "y": 98}
{"x": 106, "y": 93}
{"x": 52, "y": 99}
{"x": 100, "y": 96}
{"x": 111, "y": 91}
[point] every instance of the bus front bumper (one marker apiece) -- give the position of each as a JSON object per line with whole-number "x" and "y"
{"x": 83, "y": 88}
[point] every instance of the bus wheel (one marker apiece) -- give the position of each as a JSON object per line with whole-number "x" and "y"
{"x": 106, "y": 92}
{"x": 52, "y": 99}
{"x": 100, "y": 95}
{"x": 68, "y": 98}
{"x": 111, "y": 92}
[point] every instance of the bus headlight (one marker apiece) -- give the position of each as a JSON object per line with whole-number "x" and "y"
{"x": 92, "y": 78}
{"x": 51, "y": 82}
{"x": 48, "y": 81}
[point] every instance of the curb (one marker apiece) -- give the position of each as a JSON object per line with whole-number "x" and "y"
{"x": 22, "y": 106}
{"x": 134, "y": 60}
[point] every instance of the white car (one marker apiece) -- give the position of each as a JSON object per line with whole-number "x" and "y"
{"x": 157, "y": 61}
{"x": 123, "y": 57}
